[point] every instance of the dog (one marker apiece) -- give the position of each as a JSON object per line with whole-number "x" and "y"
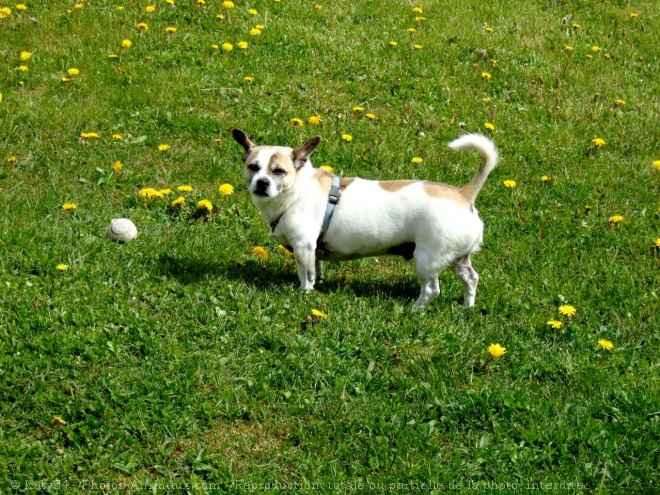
{"x": 434, "y": 224}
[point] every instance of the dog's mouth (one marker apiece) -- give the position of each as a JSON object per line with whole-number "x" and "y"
{"x": 261, "y": 192}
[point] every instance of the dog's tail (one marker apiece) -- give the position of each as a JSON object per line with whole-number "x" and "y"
{"x": 489, "y": 158}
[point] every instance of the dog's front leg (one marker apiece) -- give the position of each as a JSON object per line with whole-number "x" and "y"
{"x": 306, "y": 260}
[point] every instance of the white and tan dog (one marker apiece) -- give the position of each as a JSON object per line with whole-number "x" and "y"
{"x": 435, "y": 224}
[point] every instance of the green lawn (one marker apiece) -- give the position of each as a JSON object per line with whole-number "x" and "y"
{"x": 184, "y": 361}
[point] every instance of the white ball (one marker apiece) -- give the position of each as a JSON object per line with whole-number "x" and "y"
{"x": 122, "y": 230}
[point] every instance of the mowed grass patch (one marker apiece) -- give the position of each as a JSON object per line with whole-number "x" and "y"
{"x": 188, "y": 360}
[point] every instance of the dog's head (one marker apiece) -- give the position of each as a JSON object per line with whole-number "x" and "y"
{"x": 271, "y": 170}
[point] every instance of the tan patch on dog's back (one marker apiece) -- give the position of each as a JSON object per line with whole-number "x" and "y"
{"x": 395, "y": 185}
{"x": 432, "y": 189}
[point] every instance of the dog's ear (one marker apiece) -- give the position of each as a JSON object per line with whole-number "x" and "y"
{"x": 242, "y": 139}
{"x": 302, "y": 154}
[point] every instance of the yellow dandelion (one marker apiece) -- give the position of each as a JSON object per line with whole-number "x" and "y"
{"x": 184, "y": 188}
{"x": 255, "y": 31}
{"x": 113, "y": 56}
{"x": 486, "y": 76}
{"x": 605, "y": 344}
{"x": 126, "y": 43}
{"x": 286, "y": 252}
{"x": 219, "y": 17}
{"x": 69, "y": 206}
{"x": 319, "y": 314}
{"x": 297, "y": 122}
{"x": 205, "y": 204}
{"x": 575, "y": 25}
{"x": 657, "y": 242}
{"x": 496, "y": 350}
{"x": 248, "y": 79}
{"x": 417, "y": 160}
{"x": 11, "y": 160}
{"x": 243, "y": 45}
{"x": 117, "y": 166}
{"x": 412, "y": 30}
{"x": 567, "y": 310}
{"x": 489, "y": 126}
{"x": 23, "y": 68}
{"x": 149, "y": 193}
{"x": 252, "y": 11}
{"x": 486, "y": 100}
{"x": 418, "y": 47}
{"x": 634, "y": 15}
{"x": 489, "y": 29}
{"x": 25, "y": 56}
{"x": 163, "y": 147}
{"x": 656, "y": 163}
{"x": 73, "y": 71}
{"x": 260, "y": 253}
{"x": 607, "y": 56}
{"x": 227, "y": 47}
{"x": 165, "y": 192}
{"x": 314, "y": 120}
{"x": 58, "y": 421}
{"x": 358, "y": 109}
{"x": 62, "y": 267}
{"x": 596, "y": 49}
{"x": 347, "y": 137}
{"x": 370, "y": 116}
{"x": 21, "y": 6}
{"x": 5, "y": 12}
{"x": 418, "y": 10}
{"x": 619, "y": 103}
{"x": 226, "y": 189}
{"x": 556, "y": 324}
{"x": 616, "y": 219}
{"x": 227, "y": 5}
{"x": 178, "y": 202}
{"x": 143, "y": 26}
{"x": 569, "y": 48}
{"x": 419, "y": 18}
{"x": 170, "y": 29}
{"x": 545, "y": 179}
{"x": 90, "y": 135}
{"x": 394, "y": 43}
{"x": 598, "y": 142}
{"x": 509, "y": 183}
{"x": 328, "y": 168}
{"x": 149, "y": 9}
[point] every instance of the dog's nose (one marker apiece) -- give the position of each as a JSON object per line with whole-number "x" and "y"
{"x": 262, "y": 186}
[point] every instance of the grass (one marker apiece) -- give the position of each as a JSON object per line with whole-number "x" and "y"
{"x": 181, "y": 361}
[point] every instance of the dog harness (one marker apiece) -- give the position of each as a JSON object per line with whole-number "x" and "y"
{"x": 333, "y": 199}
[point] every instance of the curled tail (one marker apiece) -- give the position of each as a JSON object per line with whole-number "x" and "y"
{"x": 489, "y": 158}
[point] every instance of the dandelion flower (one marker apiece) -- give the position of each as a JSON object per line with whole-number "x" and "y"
{"x": 417, "y": 160}
{"x": 656, "y": 163}
{"x": 227, "y": 47}
{"x": 117, "y": 166}
{"x": 184, "y": 188}
{"x": 248, "y": 79}
{"x": 394, "y": 43}
{"x": 567, "y": 310}
{"x": 170, "y": 29}
{"x": 69, "y": 206}
{"x": 358, "y": 109}
{"x": 297, "y": 122}
{"x": 149, "y": 9}
{"x": 509, "y": 183}
{"x": 489, "y": 29}
{"x": 58, "y": 421}
{"x": 21, "y": 6}
{"x": 327, "y": 168}
{"x": 178, "y": 202}
{"x": 5, "y": 12}
{"x": 575, "y": 25}
{"x": 319, "y": 314}
{"x": 90, "y": 135}
{"x": 142, "y": 26}
{"x": 419, "y": 18}
{"x": 569, "y": 48}
{"x": 260, "y": 253}
{"x": 616, "y": 219}
{"x": 598, "y": 142}
{"x": 165, "y": 192}
{"x": 65, "y": 79}
{"x": 227, "y": 5}
{"x": 113, "y": 56}
{"x": 596, "y": 49}
{"x": 226, "y": 189}
{"x": 73, "y": 71}
{"x": 412, "y": 30}
{"x": 62, "y": 267}
{"x": 370, "y": 116}
{"x": 619, "y": 103}
{"x": 23, "y": 68}
{"x": 418, "y": 47}
{"x": 252, "y": 11}
{"x": 255, "y": 31}
{"x": 489, "y": 126}
{"x": 657, "y": 242}
{"x": 486, "y": 100}
{"x": 545, "y": 179}
{"x": 314, "y": 120}
{"x": 25, "y": 56}
{"x": 555, "y": 324}
{"x": 496, "y": 350}
{"x": 163, "y": 147}
{"x": 418, "y": 10}
{"x": 205, "y": 204}
{"x": 242, "y": 45}
{"x": 633, "y": 15}
{"x": 605, "y": 344}
{"x": 126, "y": 43}
{"x": 149, "y": 193}
{"x": 11, "y": 160}
{"x": 347, "y": 137}
{"x": 285, "y": 251}
{"x": 486, "y": 76}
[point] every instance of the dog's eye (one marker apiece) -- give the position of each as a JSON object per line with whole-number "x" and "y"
{"x": 254, "y": 167}
{"x": 279, "y": 172}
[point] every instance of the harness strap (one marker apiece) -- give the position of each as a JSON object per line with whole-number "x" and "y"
{"x": 333, "y": 199}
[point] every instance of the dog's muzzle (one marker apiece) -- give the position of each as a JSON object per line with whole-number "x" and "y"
{"x": 261, "y": 187}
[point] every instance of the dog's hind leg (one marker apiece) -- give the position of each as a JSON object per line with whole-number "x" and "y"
{"x": 462, "y": 267}
{"x": 319, "y": 271}
{"x": 427, "y": 268}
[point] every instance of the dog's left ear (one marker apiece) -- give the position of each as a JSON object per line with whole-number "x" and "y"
{"x": 242, "y": 139}
{"x": 302, "y": 154}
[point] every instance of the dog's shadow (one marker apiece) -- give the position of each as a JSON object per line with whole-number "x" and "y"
{"x": 190, "y": 270}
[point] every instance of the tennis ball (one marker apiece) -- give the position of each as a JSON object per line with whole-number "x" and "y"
{"x": 122, "y": 230}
